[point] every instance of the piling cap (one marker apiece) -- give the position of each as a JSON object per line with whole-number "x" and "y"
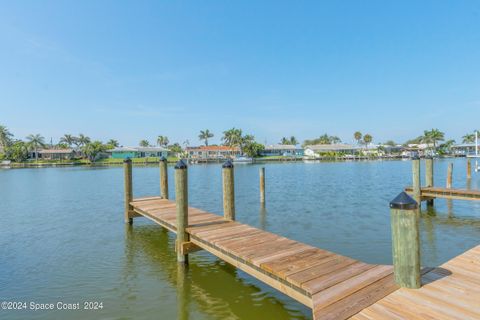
{"x": 228, "y": 164}
{"x": 181, "y": 165}
{"x": 403, "y": 202}
{"x": 127, "y": 160}
{"x": 162, "y": 159}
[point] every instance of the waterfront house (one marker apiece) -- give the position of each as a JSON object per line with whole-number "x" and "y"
{"x": 138, "y": 152}
{"x": 338, "y": 148}
{"x": 464, "y": 149}
{"x": 55, "y": 154}
{"x": 282, "y": 150}
{"x": 212, "y": 152}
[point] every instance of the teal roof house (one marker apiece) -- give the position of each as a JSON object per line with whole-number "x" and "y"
{"x": 138, "y": 152}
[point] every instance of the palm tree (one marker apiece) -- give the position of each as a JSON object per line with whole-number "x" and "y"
{"x": 293, "y": 141}
{"x": 358, "y": 136}
{"x": 285, "y": 141}
{"x": 162, "y": 141}
{"x": 112, "y": 142}
{"x": 432, "y": 137}
{"x": 5, "y": 136}
{"x": 67, "y": 139}
{"x": 367, "y": 139}
{"x": 335, "y": 139}
{"x": 144, "y": 143}
{"x": 232, "y": 137}
{"x": 205, "y": 135}
{"x": 468, "y": 138}
{"x": 35, "y": 141}
{"x": 82, "y": 140}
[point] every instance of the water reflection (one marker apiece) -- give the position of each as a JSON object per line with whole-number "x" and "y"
{"x": 263, "y": 217}
{"x": 217, "y": 289}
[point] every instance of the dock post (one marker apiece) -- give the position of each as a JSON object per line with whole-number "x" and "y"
{"x": 228, "y": 190}
{"x": 127, "y": 166}
{"x": 163, "y": 178}
{"x": 469, "y": 169}
{"x": 405, "y": 241}
{"x": 262, "y": 186}
{"x": 416, "y": 184}
{"x": 449, "y": 175}
{"x": 429, "y": 176}
{"x": 181, "y": 198}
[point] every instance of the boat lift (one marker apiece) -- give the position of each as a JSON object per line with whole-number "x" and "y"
{"x": 476, "y": 155}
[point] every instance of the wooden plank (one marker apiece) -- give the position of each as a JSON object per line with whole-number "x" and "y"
{"x": 349, "y": 286}
{"x": 352, "y": 304}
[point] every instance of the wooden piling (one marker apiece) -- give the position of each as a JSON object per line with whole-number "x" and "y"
{"x": 469, "y": 169}
{"x": 405, "y": 241}
{"x": 128, "y": 190}
{"x": 262, "y": 186}
{"x": 163, "y": 178}
{"x": 228, "y": 191}
{"x": 181, "y": 199}
{"x": 449, "y": 175}
{"x": 416, "y": 184}
{"x": 429, "y": 176}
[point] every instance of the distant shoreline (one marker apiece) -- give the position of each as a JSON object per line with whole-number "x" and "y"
{"x": 140, "y": 162}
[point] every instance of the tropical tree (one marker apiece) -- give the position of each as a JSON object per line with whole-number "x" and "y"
{"x": 335, "y": 139}
{"x": 61, "y": 145}
{"x": 68, "y": 139}
{"x": 82, "y": 140}
{"x": 17, "y": 151}
{"x": 232, "y": 137}
{"x": 446, "y": 147}
{"x": 253, "y": 149}
{"x": 205, "y": 135}
{"x": 112, "y": 143}
{"x": 5, "y": 136}
{"x": 93, "y": 149}
{"x": 468, "y": 138}
{"x": 367, "y": 139}
{"x": 162, "y": 141}
{"x": 176, "y": 148}
{"x": 144, "y": 143}
{"x": 358, "y": 136}
{"x": 390, "y": 143}
{"x": 289, "y": 141}
{"x": 35, "y": 141}
{"x": 432, "y": 137}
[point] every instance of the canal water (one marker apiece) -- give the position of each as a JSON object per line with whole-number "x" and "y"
{"x": 62, "y": 236}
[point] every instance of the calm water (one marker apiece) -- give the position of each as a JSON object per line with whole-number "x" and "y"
{"x": 62, "y": 236}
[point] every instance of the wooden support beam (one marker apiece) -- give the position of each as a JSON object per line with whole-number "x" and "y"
{"x": 429, "y": 177}
{"x": 262, "y": 186}
{"x": 449, "y": 175}
{"x": 416, "y": 180}
{"x": 163, "y": 178}
{"x": 181, "y": 195}
{"x": 228, "y": 191}
{"x": 405, "y": 241}
{"x": 187, "y": 247}
{"x": 128, "y": 190}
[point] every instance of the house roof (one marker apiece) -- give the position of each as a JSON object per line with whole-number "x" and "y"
{"x": 282, "y": 147}
{"x": 332, "y": 147}
{"x": 138, "y": 149}
{"x": 213, "y": 148}
{"x": 55, "y": 151}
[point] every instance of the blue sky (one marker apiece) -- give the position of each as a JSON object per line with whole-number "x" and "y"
{"x": 134, "y": 70}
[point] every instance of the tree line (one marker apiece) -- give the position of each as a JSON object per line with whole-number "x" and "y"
{"x": 18, "y": 150}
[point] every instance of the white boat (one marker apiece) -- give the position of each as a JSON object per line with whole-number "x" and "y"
{"x": 243, "y": 159}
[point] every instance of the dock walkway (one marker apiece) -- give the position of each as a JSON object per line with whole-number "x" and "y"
{"x": 447, "y": 193}
{"x": 333, "y": 286}
{"x": 449, "y": 292}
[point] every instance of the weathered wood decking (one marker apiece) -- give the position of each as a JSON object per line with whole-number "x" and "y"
{"x": 449, "y": 292}
{"x": 333, "y": 286}
{"x": 447, "y": 193}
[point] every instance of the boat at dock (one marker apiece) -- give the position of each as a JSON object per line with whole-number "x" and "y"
{"x": 242, "y": 159}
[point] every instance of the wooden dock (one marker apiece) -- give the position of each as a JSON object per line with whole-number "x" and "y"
{"x": 451, "y": 291}
{"x": 334, "y": 286}
{"x": 446, "y": 193}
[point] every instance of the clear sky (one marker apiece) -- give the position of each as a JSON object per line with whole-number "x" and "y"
{"x": 134, "y": 70}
